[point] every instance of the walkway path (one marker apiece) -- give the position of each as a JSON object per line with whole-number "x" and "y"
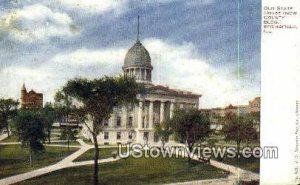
{"x": 238, "y": 173}
{"x": 231, "y": 180}
{"x": 3, "y": 136}
{"x": 65, "y": 163}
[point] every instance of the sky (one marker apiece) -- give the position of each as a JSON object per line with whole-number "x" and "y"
{"x": 194, "y": 45}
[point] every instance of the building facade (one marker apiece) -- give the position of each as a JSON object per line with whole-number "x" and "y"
{"x": 216, "y": 115}
{"x": 135, "y": 123}
{"x": 254, "y": 105}
{"x": 31, "y": 99}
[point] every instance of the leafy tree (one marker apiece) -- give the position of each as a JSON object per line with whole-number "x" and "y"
{"x": 190, "y": 126}
{"x": 96, "y": 99}
{"x": 48, "y": 114}
{"x": 8, "y": 108}
{"x": 163, "y": 131}
{"x": 29, "y": 128}
{"x": 238, "y": 129}
{"x": 68, "y": 133}
{"x": 64, "y": 107}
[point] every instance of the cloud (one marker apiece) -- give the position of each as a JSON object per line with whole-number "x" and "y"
{"x": 95, "y": 6}
{"x": 37, "y": 22}
{"x": 85, "y": 57}
{"x": 180, "y": 66}
{"x": 176, "y": 65}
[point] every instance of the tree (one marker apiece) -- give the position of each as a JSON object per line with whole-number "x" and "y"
{"x": 238, "y": 129}
{"x": 48, "y": 115}
{"x": 190, "y": 126}
{"x": 29, "y": 128}
{"x": 64, "y": 107}
{"x": 68, "y": 133}
{"x": 8, "y": 108}
{"x": 96, "y": 99}
{"x": 163, "y": 131}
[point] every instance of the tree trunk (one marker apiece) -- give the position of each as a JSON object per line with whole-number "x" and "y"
{"x": 30, "y": 157}
{"x": 96, "y": 169}
{"x": 7, "y": 129}
{"x": 49, "y": 135}
{"x": 69, "y": 137}
{"x": 189, "y": 154}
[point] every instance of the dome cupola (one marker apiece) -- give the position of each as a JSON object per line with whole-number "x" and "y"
{"x": 137, "y": 62}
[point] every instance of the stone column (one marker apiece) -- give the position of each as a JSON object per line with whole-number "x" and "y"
{"x": 151, "y": 115}
{"x": 162, "y": 111}
{"x": 145, "y": 74}
{"x": 140, "y": 115}
{"x": 172, "y": 106}
{"x": 124, "y": 116}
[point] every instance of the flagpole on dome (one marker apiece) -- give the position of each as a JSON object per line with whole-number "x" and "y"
{"x": 138, "y": 29}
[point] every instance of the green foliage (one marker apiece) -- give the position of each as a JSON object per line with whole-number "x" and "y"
{"x": 48, "y": 115}
{"x": 239, "y": 129}
{"x": 8, "y": 108}
{"x": 68, "y": 133}
{"x": 163, "y": 131}
{"x": 96, "y": 99}
{"x": 29, "y": 128}
{"x": 190, "y": 126}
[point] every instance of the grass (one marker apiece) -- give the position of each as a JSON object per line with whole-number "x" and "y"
{"x": 133, "y": 171}
{"x": 251, "y": 164}
{"x": 103, "y": 153}
{"x": 15, "y": 160}
{"x": 64, "y": 143}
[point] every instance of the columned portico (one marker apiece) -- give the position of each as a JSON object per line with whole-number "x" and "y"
{"x": 140, "y": 115}
{"x": 172, "y": 107}
{"x": 162, "y": 111}
{"x": 151, "y": 115}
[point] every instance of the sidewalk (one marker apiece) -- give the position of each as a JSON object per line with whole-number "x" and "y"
{"x": 3, "y": 136}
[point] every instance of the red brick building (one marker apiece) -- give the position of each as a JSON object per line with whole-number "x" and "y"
{"x": 31, "y": 99}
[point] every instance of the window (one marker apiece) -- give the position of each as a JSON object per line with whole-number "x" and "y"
{"x": 118, "y": 135}
{"x": 130, "y": 121}
{"x": 118, "y": 121}
{"x": 130, "y": 135}
{"x": 106, "y": 136}
{"x": 105, "y": 123}
{"x": 146, "y": 136}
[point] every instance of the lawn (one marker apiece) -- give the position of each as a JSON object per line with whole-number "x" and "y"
{"x": 251, "y": 164}
{"x": 63, "y": 143}
{"x": 133, "y": 171}
{"x": 15, "y": 160}
{"x": 103, "y": 153}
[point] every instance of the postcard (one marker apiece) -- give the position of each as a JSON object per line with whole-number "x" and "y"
{"x": 149, "y": 92}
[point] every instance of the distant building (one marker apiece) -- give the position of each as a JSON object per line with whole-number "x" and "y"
{"x": 216, "y": 115}
{"x": 31, "y": 99}
{"x": 254, "y": 105}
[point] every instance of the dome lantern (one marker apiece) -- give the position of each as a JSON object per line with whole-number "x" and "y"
{"x": 137, "y": 62}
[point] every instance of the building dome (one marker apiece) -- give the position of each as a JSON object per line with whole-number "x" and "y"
{"x": 137, "y": 55}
